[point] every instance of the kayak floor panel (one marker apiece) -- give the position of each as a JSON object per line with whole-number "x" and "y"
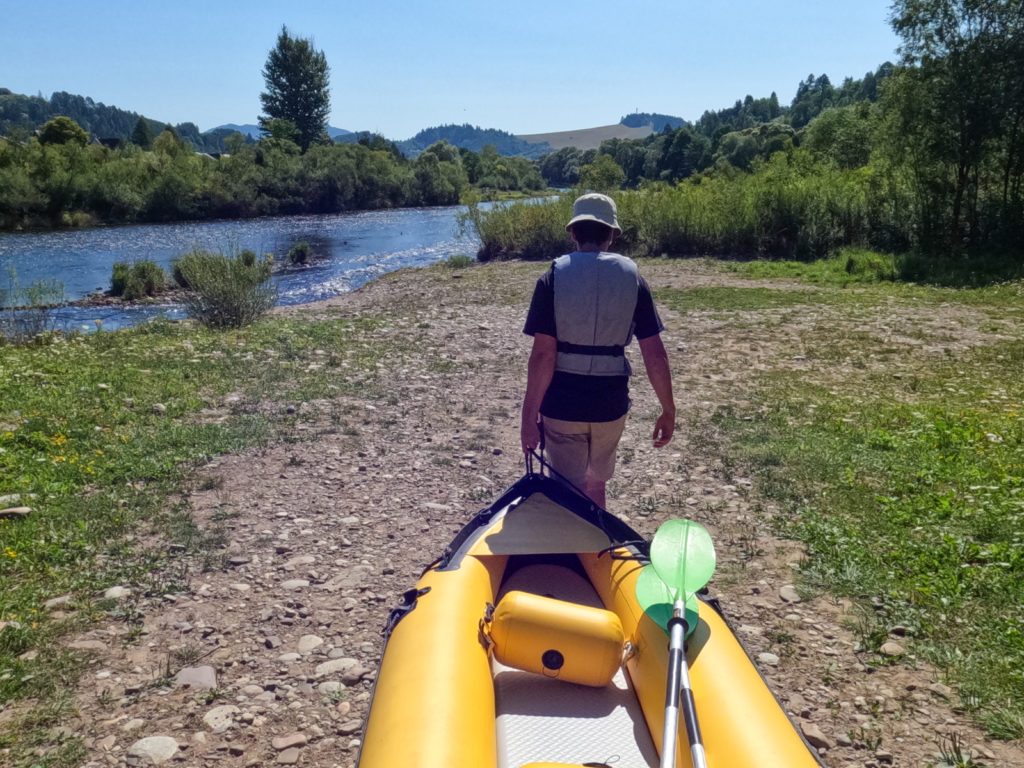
{"x": 544, "y": 720}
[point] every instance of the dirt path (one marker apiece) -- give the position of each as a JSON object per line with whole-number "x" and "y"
{"x": 324, "y": 534}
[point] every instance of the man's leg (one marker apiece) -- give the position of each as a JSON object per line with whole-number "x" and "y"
{"x": 604, "y": 442}
{"x": 567, "y": 449}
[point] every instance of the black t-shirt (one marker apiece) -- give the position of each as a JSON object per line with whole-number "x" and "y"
{"x": 578, "y": 397}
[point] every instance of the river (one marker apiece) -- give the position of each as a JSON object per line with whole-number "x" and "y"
{"x": 350, "y": 249}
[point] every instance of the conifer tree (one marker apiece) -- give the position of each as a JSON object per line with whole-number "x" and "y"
{"x": 297, "y": 79}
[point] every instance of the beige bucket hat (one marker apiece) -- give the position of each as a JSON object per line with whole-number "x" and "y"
{"x": 595, "y": 207}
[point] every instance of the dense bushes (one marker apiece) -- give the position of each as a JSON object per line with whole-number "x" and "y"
{"x": 63, "y": 182}
{"x": 789, "y": 207}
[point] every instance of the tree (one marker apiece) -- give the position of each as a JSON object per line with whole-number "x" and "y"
{"x": 142, "y": 136}
{"x": 602, "y": 175}
{"x": 297, "y": 80}
{"x": 969, "y": 58}
{"x": 63, "y": 130}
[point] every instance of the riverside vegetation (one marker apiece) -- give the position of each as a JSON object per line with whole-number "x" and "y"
{"x": 882, "y": 423}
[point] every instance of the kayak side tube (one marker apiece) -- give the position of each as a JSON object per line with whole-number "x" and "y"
{"x": 741, "y": 722}
{"x": 433, "y": 652}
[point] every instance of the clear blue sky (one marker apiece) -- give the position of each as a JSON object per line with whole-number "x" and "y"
{"x": 398, "y": 66}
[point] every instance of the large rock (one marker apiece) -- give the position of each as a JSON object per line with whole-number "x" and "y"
{"x": 221, "y": 718}
{"x": 814, "y": 735}
{"x": 199, "y": 678}
{"x": 153, "y": 749}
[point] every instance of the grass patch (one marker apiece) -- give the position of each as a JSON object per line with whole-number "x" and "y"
{"x": 98, "y": 431}
{"x": 908, "y": 489}
{"x": 733, "y": 299}
{"x": 848, "y": 266}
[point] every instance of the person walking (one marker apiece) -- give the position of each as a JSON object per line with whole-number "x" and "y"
{"x": 584, "y": 312}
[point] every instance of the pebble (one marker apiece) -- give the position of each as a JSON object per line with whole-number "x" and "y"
{"x": 768, "y": 659}
{"x": 117, "y": 593}
{"x": 291, "y": 740}
{"x": 892, "y": 648}
{"x": 88, "y": 645}
{"x": 814, "y": 735}
{"x": 288, "y": 757}
{"x": 295, "y": 584}
{"x": 15, "y": 512}
{"x": 943, "y": 691}
{"x": 335, "y": 666}
{"x": 789, "y": 594}
{"x": 309, "y": 643}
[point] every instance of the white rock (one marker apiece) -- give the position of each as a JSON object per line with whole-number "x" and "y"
{"x": 221, "y": 717}
{"x": 158, "y": 749}
{"x": 117, "y": 593}
{"x": 308, "y": 643}
{"x": 200, "y": 678}
{"x": 335, "y": 666}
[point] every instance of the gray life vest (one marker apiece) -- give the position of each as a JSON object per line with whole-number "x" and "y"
{"x": 595, "y": 297}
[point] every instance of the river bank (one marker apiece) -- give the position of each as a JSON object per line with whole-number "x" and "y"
{"x": 268, "y": 653}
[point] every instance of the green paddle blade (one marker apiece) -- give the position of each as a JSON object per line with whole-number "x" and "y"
{"x": 683, "y": 555}
{"x": 657, "y": 600}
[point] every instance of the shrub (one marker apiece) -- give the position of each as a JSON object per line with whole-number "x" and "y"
{"x": 459, "y": 261}
{"x": 226, "y": 291}
{"x": 869, "y": 265}
{"x": 24, "y": 310}
{"x": 521, "y": 230}
{"x": 136, "y": 281}
{"x": 300, "y": 253}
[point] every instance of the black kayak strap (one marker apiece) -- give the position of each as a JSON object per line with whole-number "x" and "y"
{"x": 616, "y": 350}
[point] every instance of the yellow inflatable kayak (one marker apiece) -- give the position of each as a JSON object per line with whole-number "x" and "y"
{"x": 525, "y": 646}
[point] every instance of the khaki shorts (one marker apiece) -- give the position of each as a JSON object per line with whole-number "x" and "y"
{"x": 581, "y": 449}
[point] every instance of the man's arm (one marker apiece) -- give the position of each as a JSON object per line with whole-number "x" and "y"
{"x": 538, "y": 377}
{"x": 660, "y": 376}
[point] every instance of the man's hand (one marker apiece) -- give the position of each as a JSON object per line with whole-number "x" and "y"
{"x": 664, "y": 428}
{"x": 529, "y": 434}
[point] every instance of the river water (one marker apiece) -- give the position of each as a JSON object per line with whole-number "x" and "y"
{"x": 350, "y": 249}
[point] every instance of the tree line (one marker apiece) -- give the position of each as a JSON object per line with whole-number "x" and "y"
{"x": 931, "y": 147}
{"x": 58, "y": 178}
{"x": 924, "y": 154}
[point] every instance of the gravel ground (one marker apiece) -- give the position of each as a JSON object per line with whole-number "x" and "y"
{"x": 269, "y": 659}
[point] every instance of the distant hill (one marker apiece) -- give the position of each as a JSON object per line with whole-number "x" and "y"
{"x": 473, "y": 138}
{"x": 587, "y": 138}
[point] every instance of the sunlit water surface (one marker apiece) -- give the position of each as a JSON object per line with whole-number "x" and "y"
{"x": 350, "y": 249}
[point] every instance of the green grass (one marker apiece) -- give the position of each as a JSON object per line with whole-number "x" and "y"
{"x": 902, "y": 471}
{"x": 733, "y": 299}
{"x": 96, "y": 433}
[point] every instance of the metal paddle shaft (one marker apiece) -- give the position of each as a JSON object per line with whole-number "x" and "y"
{"x": 678, "y": 688}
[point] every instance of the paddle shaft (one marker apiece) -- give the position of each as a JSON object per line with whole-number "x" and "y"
{"x": 678, "y": 691}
